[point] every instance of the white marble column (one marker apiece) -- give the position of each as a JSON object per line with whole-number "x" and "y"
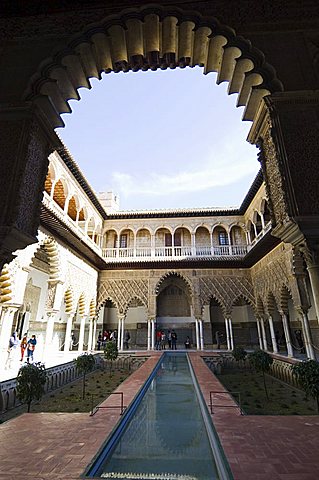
{"x": 227, "y": 334}
{"x": 263, "y": 331}
{"x": 307, "y": 336}
{"x": 193, "y": 245}
{"x": 230, "y": 326}
{"x": 260, "y": 340}
{"x": 149, "y": 333}
{"x": 201, "y": 334}
{"x": 81, "y": 334}
{"x": 197, "y": 334}
{"x": 314, "y": 282}
{"x": 272, "y": 334}
{"x": 119, "y": 333}
{"x": 152, "y": 245}
{"x": 47, "y": 347}
{"x": 94, "y": 333}
{"x": 153, "y": 334}
{"x": 90, "y": 338}
{"x": 287, "y": 334}
{"x": 122, "y": 334}
{"x": 67, "y": 339}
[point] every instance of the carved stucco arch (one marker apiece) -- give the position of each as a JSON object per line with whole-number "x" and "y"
{"x": 260, "y": 309}
{"x": 271, "y": 302}
{"x": 285, "y": 296}
{"x": 274, "y": 272}
{"x": 249, "y": 300}
{"x": 135, "y": 297}
{"x": 227, "y": 289}
{"x": 220, "y": 302}
{"x": 120, "y": 291}
{"x": 152, "y": 37}
{"x": 172, "y": 274}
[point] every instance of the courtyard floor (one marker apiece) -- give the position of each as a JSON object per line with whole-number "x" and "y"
{"x": 61, "y": 445}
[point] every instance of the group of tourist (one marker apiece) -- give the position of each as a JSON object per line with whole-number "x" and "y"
{"x": 162, "y": 339}
{"x": 25, "y": 344}
{"x": 105, "y": 337}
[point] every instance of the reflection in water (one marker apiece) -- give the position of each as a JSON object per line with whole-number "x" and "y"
{"x": 166, "y": 437}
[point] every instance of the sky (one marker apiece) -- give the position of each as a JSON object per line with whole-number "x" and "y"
{"x": 164, "y": 139}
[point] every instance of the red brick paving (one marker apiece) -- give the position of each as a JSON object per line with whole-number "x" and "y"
{"x": 47, "y": 446}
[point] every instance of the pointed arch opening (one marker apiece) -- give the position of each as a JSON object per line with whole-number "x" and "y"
{"x": 136, "y": 324}
{"x": 217, "y": 316}
{"x": 244, "y": 322}
{"x": 174, "y": 307}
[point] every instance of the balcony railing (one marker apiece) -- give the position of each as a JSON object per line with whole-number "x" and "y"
{"x": 58, "y": 211}
{"x": 170, "y": 253}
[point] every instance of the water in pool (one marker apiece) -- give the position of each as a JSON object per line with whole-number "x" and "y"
{"x": 166, "y": 438}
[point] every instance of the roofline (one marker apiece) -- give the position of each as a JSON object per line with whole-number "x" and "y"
{"x": 71, "y": 164}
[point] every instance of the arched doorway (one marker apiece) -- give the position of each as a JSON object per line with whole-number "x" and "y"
{"x": 136, "y": 324}
{"x": 244, "y": 323}
{"x": 217, "y": 321}
{"x": 173, "y": 308}
{"x": 109, "y": 317}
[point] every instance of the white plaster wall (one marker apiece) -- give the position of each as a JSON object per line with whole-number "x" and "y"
{"x": 243, "y": 314}
{"x": 136, "y": 315}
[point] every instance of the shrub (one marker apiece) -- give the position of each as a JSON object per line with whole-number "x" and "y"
{"x": 261, "y": 362}
{"x": 307, "y": 374}
{"x": 84, "y": 364}
{"x": 239, "y": 354}
{"x": 30, "y": 382}
{"x": 111, "y": 352}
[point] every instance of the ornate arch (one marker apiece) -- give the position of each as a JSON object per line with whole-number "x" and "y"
{"x": 121, "y": 290}
{"x": 219, "y": 301}
{"x": 227, "y": 289}
{"x": 167, "y": 275}
{"x": 152, "y": 37}
{"x": 249, "y": 300}
{"x": 285, "y": 296}
{"x": 135, "y": 297}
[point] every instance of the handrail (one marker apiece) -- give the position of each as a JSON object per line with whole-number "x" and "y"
{"x": 98, "y": 407}
{"x": 211, "y": 404}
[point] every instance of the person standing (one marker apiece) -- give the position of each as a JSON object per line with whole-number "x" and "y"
{"x": 30, "y": 348}
{"x": 127, "y": 339}
{"x": 174, "y": 340}
{"x": 158, "y": 340}
{"x": 12, "y": 348}
{"x": 169, "y": 339}
{"x": 23, "y": 346}
{"x": 163, "y": 340}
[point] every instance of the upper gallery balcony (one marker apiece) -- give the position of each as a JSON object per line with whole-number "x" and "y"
{"x": 183, "y": 243}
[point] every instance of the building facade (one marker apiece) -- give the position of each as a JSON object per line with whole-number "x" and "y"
{"x": 268, "y": 54}
{"x": 218, "y": 276}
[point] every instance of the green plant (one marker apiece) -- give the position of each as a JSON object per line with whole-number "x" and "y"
{"x": 261, "y": 361}
{"x": 111, "y": 352}
{"x": 30, "y": 382}
{"x": 307, "y": 374}
{"x": 239, "y": 354}
{"x": 84, "y": 364}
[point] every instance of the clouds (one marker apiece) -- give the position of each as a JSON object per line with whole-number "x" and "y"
{"x": 168, "y": 139}
{"x": 222, "y": 168}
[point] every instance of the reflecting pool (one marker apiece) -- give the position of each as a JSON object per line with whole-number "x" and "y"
{"x": 166, "y": 438}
